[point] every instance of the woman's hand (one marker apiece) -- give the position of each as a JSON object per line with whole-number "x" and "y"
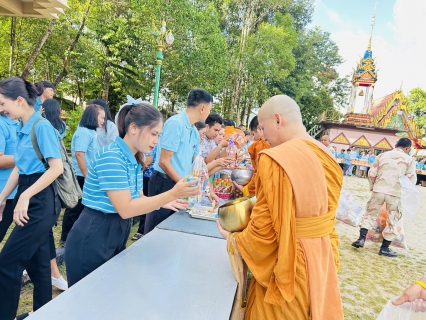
{"x": 213, "y": 198}
{"x": 177, "y": 205}
{"x": 20, "y": 214}
{"x": 2, "y": 206}
{"x": 223, "y": 162}
{"x": 184, "y": 189}
{"x": 225, "y": 233}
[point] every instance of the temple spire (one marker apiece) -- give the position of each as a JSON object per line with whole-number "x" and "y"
{"x": 373, "y": 22}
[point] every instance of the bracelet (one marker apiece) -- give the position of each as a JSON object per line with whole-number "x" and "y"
{"x": 421, "y": 284}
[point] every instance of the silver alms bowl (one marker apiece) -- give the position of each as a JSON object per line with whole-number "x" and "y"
{"x": 241, "y": 176}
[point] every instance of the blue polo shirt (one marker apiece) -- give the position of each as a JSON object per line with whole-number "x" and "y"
{"x": 37, "y": 104}
{"x": 181, "y": 138}
{"x": 7, "y": 146}
{"x": 83, "y": 140}
{"x": 25, "y": 157}
{"x": 114, "y": 167}
{"x": 348, "y": 159}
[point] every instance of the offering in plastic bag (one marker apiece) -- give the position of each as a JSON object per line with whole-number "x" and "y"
{"x": 376, "y": 235}
{"x": 414, "y": 310}
{"x": 198, "y": 171}
{"x": 232, "y": 152}
{"x": 410, "y": 198}
{"x": 237, "y": 136}
{"x": 348, "y": 210}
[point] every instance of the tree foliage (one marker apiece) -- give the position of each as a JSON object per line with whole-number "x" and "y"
{"x": 241, "y": 51}
{"x": 417, "y": 101}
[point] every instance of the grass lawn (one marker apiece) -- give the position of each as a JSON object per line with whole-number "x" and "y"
{"x": 367, "y": 280}
{"x": 26, "y": 299}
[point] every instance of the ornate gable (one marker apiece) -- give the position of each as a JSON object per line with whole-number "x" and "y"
{"x": 341, "y": 138}
{"x": 362, "y": 142}
{"x": 383, "y": 144}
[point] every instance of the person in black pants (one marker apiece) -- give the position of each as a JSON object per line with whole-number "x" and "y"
{"x": 178, "y": 145}
{"x": 113, "y": 193}
{"x": 35, "y": 203}
{"x": 84, "y": 146}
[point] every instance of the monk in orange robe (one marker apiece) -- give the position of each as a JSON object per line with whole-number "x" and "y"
{"x": 290, "y": 244}
{"x": 254, "y": 150}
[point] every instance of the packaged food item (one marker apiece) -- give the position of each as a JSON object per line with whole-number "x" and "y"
{"x": 232, "y": 152}
{"x": 236, "y": 135}
{"x": 348, "y": 210}
{"x": 198, "y": 172}
{"x": 376, "y": 235}
{"x": 414, "y": 310}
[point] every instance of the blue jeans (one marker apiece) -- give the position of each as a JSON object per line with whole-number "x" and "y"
{"x": 345, "y": 168}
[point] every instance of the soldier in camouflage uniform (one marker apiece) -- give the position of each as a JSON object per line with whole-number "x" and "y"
{"x": 384, "y": 182}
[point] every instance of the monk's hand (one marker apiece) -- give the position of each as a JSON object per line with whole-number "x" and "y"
{"x": 225, "y": 233}
{"x": 238, "y": 186}
{"x": 414, "y": 292}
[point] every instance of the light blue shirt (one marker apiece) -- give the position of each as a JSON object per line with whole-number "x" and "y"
{"x": 7, "y": 146}
{"x": 113, "y": 168}
{"x": 37, "y": 104}
{"x": 181, "y": 138}
{"x": 25, "y": 157}
{"x": 347, "y": 159}
{"x": 105, "y": 138}
{"x": 83, "y": 140}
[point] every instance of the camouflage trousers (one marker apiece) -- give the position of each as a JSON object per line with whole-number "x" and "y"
{"x": 393, "y": 208}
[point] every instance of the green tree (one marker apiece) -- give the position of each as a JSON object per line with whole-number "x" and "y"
{"x": 417, "y": 101}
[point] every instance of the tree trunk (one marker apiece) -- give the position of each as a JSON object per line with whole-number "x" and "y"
{"x": 12, "y": 45}
{"x": 70, "y": 49}
{"x": 105, "y": 94}
{"x": 37, "y": 49}
{"x": 248, "y": 113}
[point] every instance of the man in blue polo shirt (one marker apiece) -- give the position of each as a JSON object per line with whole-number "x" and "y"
{"x": 178, "y": 145}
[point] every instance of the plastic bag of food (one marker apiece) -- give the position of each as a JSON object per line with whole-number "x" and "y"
{"x": 237, "y": 136}
{"x": 376, "y": 235}
{"x": 348, "y": 210}
{"x": 410, "y": 198}
{"x": 414, "y": 310}
{"x": 198, "y": 172}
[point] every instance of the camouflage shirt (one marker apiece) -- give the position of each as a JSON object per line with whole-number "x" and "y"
{"x": 385, "y": 172}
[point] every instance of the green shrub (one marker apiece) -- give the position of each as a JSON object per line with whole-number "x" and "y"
{"x": 72, "y": 124}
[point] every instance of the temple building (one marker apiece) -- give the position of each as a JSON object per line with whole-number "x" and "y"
{"x": 370, "y": 123}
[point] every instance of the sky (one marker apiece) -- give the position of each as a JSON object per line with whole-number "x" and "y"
{"x": 399, "y": 39}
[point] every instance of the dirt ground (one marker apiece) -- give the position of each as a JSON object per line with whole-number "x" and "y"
{"x": 367, "y": 280}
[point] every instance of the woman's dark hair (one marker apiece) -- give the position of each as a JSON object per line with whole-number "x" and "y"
{"x": 103, "y": 104}
{"x": 52, "y": 111}
{"x": 254, "y": 123}
{"x": 199, "y": 125}
{"x": 41, "y": 85}
{"x": 89, "y": 119}
{"x": 142, "y": 115}
{"x": 228, "y": 123}
{"x": 14, "y": 87}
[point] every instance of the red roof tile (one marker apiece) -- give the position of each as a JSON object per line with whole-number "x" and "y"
{"x": 379, "y": 104}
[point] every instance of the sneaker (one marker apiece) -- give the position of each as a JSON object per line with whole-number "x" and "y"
{"x": 60, "y": 283}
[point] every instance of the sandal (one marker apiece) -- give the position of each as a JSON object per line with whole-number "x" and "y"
{"x": 137, "y": 236}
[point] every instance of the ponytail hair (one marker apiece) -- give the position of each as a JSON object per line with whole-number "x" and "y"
{"x": 14, "y": 87}
{"x": 142, "y": 115}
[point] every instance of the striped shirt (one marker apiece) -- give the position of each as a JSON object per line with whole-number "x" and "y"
{"x": 114, "y": 167}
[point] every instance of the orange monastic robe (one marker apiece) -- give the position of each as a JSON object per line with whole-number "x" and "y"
{"x": 290, "y": 244}
{"x": 254, "y": 151}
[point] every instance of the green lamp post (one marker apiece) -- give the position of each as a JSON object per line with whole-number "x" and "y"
{"x": 162, "y": 38}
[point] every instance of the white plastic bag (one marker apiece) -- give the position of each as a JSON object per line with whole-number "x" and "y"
{"x": 410, "y": 198}
{"x": 414, "y": 310}
{"x": 348, "y": 210}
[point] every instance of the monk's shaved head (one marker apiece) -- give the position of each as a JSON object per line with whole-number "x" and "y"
{"x": 284, "y": 105}
{"x": 325, "y": 139}
{"x": 281, "y": 120}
